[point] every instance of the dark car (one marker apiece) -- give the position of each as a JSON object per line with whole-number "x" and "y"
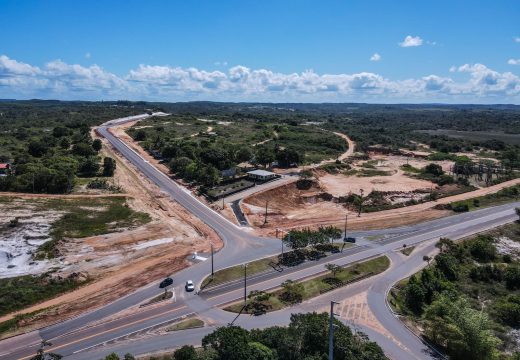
{"x": 166, "y": 282}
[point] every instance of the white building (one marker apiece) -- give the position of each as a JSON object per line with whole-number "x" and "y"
{"x": 261, "y": 175}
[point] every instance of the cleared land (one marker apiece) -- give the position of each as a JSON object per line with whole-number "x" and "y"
{"x": 117, "y": 263}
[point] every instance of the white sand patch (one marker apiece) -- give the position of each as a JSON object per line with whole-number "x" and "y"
{"x": 219, "y": 122}
{"x": 17, "y": 244}
{"x": 505, "y": 245}
{"x": 147, "y": 244}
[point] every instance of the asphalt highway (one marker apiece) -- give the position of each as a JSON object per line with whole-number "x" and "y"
{"x": 101, "y": 331}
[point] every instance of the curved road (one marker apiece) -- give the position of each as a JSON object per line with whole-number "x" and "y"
{"x": 81, "y": 337}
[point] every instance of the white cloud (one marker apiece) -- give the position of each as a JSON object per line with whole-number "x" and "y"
{"x": 411, "y": 41}
{"x": 57, "y": 79}
{"x": 220, "y": 63}
{"x": 10, "y": 67}
{"x": 513, "y": 61}
{"x": 375, "y": 57}
{"x": 88, "y": 55}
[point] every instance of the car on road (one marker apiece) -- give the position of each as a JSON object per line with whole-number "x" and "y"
{"x": 189, "y": 285}
{"x": 166, "y": 282}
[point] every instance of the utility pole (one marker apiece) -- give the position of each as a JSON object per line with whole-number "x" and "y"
{"x": 223, "y": 206}
{"x": 345, "y": 236}
{"x": 289, "y": 235}
{"x": 212, "y": 268}
{"x": 265, "y": 218}
{"x": 245, "y": 284}
{"x": 331, "y": 331}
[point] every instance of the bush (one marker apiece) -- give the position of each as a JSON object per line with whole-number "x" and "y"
{"x": 292, "y": 292}
{"x": 326, "y": 247}
{"x": 483, "y": 249}
{"x": 187, "y": 352}
{"x": 444, "y": 180}
{"x": 459, "y": 207}
{"x": 315, "y": 255}
{"x": 292, "y": 258}
{"x": 487, "y": 273}
{"x": 508, "y": 310}
{"x": 304, "y": 184}
{"x": 512, "y": 277}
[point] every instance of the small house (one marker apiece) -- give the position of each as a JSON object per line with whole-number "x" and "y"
{"x": 261, "y": 175}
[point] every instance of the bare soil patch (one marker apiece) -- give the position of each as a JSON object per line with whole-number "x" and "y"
{"x": 121, "y": 262}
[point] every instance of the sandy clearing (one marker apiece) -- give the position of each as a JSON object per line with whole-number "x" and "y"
{"x": 340, "y": 185}
{"x": 284, "y": 211}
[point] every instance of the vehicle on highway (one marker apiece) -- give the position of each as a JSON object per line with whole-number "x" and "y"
{"x": 189, "y": 285}
{"x": 166, "y": 282}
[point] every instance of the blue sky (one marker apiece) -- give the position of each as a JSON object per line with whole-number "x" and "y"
{"x": 301, "y": 50}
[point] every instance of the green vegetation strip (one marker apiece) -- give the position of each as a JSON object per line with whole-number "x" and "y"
{"x": 186, "y": 324}
{"x": 503, "y": 196}
{"x": 261, "y": 265}
{"x": 236, "y": 272}
{"x": 158, "y": 298}
{"x": 293, "y": 292}
{"x": 407, "y": 250}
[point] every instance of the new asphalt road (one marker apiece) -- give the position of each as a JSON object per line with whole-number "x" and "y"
{"x": 82, "y": 337}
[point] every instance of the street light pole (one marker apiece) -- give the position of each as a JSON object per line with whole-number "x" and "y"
{"x": 245, "y": 284}
{"x": 212, "y": 267}
{"x": 345, "y": 234}
{"x": 289, "y": 234}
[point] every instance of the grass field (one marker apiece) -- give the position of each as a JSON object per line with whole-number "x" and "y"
{"x": 316, "y": 286}
{"x": 89, "y": 217}
{"x": 19, "y": 292}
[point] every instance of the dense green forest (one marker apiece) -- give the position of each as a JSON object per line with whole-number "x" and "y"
{"x": 306, "y": 338}
{"x": 467, "y": 299}
{"x": 199, "y": 149}
{"x": 48, "y": 143}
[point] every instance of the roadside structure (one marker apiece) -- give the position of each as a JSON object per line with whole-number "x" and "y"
{"x": 261, "y": 175}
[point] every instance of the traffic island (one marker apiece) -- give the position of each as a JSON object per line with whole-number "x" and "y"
{"x": 272, "y": 263}
{"x": 291, "y": 292}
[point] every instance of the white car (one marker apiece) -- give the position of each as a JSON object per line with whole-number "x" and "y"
{"x": 189, "y": 286}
